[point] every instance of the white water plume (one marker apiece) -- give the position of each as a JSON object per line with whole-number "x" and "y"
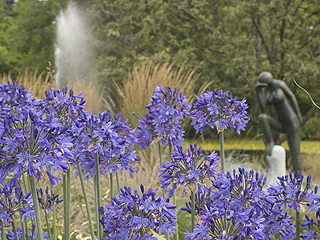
{"x": 73, "y": 50}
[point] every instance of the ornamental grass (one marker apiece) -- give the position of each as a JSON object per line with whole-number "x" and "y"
{"x": 46, "y": 143}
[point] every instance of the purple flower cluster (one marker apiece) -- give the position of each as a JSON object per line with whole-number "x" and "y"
{"x": 33, "y": 142}
{"x": 313, "y": 227}
{"x": 220, "y": 110}
{"x": 13, "y": 200}
{"x": 290, "y": 192}
{"x": 131, "y": 215}
{"x": 163, "y": 121}
{"x": 112, "y": 139}
{"x": 66, "y": 107}
{"x": 188, "y": 169}
{"x": 33, "y": 235}
{"x": 13, "y": 97}
{"x": 238, "y": 208}
{"x": 49, "y": 201}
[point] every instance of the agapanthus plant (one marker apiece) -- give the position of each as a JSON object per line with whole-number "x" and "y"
{"x": 220, "y": 110}
{"x": 132, "y": 215}
{"x": 13, "y": 200}
{"x": 239, "y": 208}
{"x": 49, "y": 200}
{"x": 13, "y": 97}
{"x": 313, "y": 227}
{"x": 166, "y": 111}
{"x": 64, "y": 105}
{"x": 33, "y": 235}
{"x": 106, "y": 146}
{"x": 33, "y": 143}
{"x": 291, "y": 192}
{"x": 110, "y": 137}
{"x": 189, "y": 170}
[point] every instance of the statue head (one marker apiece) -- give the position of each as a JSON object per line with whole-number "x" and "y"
{"x": 265, "y": 77}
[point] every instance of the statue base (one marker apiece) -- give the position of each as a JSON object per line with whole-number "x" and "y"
{"x": 277, "y": 164}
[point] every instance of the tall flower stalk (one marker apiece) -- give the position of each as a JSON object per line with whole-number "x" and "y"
{"x": 162, "y": 123}
{"x": 190, "y": 170}
{"x": 36, "y": 208}
{"x": 220, "y": 110}
{"x": 290, "y": 192}
{"x": 86, "y": 200}
{"x": 97, "y": 195}
{"x": 237, "y": 207}
{"x": 134, "y": 215}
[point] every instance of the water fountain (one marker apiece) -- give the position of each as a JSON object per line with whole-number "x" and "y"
{"x": 73, "y": 49}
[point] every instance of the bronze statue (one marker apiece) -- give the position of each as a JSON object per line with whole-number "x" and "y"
{"x": 277, "y": 93}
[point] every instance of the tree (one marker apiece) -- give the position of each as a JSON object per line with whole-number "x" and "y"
{"x": 29, "y": 35}
{"x": 230, "y": 42}
{"x": 6, "y": 13}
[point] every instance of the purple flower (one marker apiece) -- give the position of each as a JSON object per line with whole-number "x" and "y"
{"x": 163, "y": 121}
{"x": 39, "y": 145}
{"x": 33, "y": 235}
{"x": 220, "y": 110}
{"x": 131, "y": 214}
{"x": 13, "y": 200}
{"x": 188, "y": 169}
{"x": 111, "y": 138}
{"x": 48, "y": 202}
{"x": 13, "y": 98}
{"x": 241, "y": 201}
{"x": 313, "y": 227}
{"x": 289, "y": 192}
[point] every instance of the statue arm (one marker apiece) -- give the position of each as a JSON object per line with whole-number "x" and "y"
{"x": 292, "y": 99}
{"x": 261, "y": 96}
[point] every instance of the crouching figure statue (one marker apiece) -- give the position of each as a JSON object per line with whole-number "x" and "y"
{"x": 275, "y": 92}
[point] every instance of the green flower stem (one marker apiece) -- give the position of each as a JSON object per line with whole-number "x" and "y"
{"x": 141, "y": 232}
{"x": 23, "y": 227}
{"x": 32, "y": 182}
{"x": 222, "y": 157}
{"x": 193, "y": 211}
{"x": 66, "y": 205}
{"x": 297, "y": 225}
{"x": 118, "y": 181}
{"x": 3, "y": 237}
{"x": 64, "y": 183}
{"x": 160, "y": 151}
{"x": 25, "y": 188}
{"x": 24, "y": 184}
{"x": 14, "y": 229}
{"x": 111, "y": 186}
{"x": 174, "y": 196}
{"x": 86, "y": 201}
{"x": 160, "y": 157}
{"x": 221, "y": 136}
{"x": 175, "y": 203}
{"x": 97, "y": 195}
{"x": 48, "y": 225}
{"x": 54, "y": 226}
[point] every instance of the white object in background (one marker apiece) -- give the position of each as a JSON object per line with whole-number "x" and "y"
{"x": 277, "y": 162}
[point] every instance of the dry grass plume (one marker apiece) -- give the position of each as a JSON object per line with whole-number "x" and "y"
{"x": 138, "y": 87}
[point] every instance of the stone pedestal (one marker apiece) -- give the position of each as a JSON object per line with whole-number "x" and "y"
{"x": 277, "y": 162}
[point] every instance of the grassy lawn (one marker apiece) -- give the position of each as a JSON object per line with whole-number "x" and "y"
{"x": 253, "y": 145}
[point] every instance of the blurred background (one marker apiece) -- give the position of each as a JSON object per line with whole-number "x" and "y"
{"x": 117, "y": 51}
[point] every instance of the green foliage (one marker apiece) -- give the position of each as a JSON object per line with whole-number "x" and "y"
{"x": 229, "y": 42}
{"x": 311, "y": 129}
{"x": 27, "y": 35}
